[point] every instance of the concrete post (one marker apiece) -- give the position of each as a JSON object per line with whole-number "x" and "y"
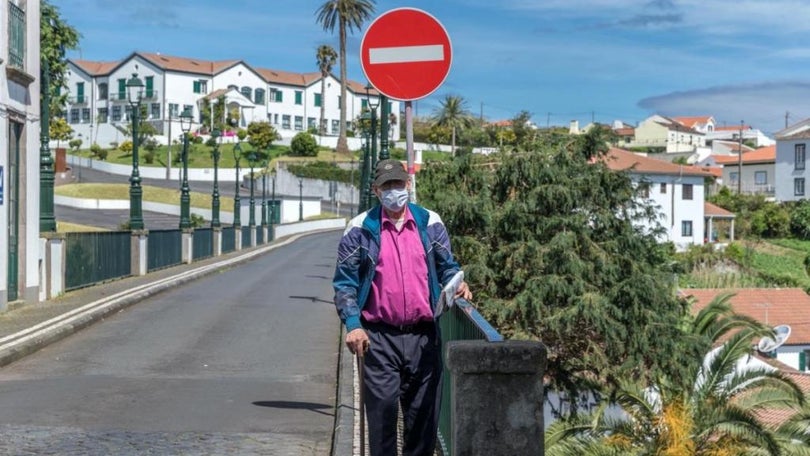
{"x": 253, "y": 235}
{"x": 55, "y": 265}
{"x": 265, "y": 232}
{"x": 138, "y": 263}
{"x": 217, "y": 241}
{"x": 187, "y": 241}
{"x": 237, "y": 233}
{"x": 497, "y": 397}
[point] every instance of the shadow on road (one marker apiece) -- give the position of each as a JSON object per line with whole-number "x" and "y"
{"x": 312, "y": 298}
{"x": 295, "y": 406}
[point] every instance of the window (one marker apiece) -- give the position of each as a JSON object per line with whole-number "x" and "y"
{"x": 798, "y": 157}
{"x": 247, "y": 92}
{"x": 86, "y": 115}
{"x": 74, "y": 116}
{"x": 275, "y": 95}
{"x": 644, "y": 189}
{"x": 798, "y": 186}
{"x": 299, "y": 123}
{"x": 127, "y": 112}
{"x": 363, "y": 103}
{"x": 174, "y": 110}
{"x": 258, "y": 96}
{"x": 761, "y": 178}
{"x": 686, "y": 192}
{"x": 122, "y": 89}
{"x": 116, "y": 113}
{"x": 299, "y": 97}
{"x": 189, "y": 108}
{"x": 311, "y": 123}
{"x": 150, "y": 87}
{"x": 102, "y": 115}
{"x": 663, "y": 187}
{"x": 285, "y": 122}
{"x": 275, "y": 119}
{"x": 102, "y": 91}
{"x": 335, "y": 127}
{"x": 16, "y": 36}
{"x": 155, "y": 112}
{"x": 733, "y": 176}
{"x": 317, "y": 100}
{"x": 201, "y": 86}
{"x": 686, "y": 228}
{"x": 79, "y": 92}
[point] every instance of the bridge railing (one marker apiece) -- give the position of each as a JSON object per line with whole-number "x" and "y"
{"x": 460, "y": 322}
{"x": 95, "y": 257}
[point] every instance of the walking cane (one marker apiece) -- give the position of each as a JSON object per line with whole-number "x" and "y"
{"x": 362, "y": 404}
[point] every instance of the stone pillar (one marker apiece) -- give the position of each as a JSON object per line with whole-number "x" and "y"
{"x": 217, "y": 241}
{"x": 253, "y": 235}
{"x": 237, "y": 238}
{"x": 187, "y": 241}
{"x": 139, "y": 264}
{"x": 55, "y": 265}
{"x": 265, "y": 232}
{"x": 497, "y": 397}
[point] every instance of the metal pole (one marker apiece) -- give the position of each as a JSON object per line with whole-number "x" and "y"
{"x": 300, "y": 199}
{"x": 47, "y": 221}
{"x": 370, "y": 176}
{"x": 135, "y": 190}
{"x": 185, "y": 198}
{"x": 215, "y": 223}
{"x": 384, "y": 112}
{"x": 351, "y": 185}
{"x": 252, "y": 217}
{"x": 237, "y": 219}
{"x": 740, "y": 160}
{"x": 264, "y": 196}
{"x": 409, "y": 148}
{"x": 273, "y": 204}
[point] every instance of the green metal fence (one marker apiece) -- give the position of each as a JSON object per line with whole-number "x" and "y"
{"x": 245, "y": 237}
{"x": 95, "y": 257}
{"x": 460, "y": 322}
{"x": 228, "y": 239}
{"x": 259, "y": 235}
{"x": 203, "y": 243}
{"x": 164, "y": 249}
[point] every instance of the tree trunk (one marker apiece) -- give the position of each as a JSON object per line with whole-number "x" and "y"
{"x": 453, "y": 144}
{"x": 342, "y": 144}
{"x": 322, "y": 123}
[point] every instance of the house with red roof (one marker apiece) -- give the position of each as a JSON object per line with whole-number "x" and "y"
{"x": 732, "y": 133}
{"x": 703, "y": 124}
{"x": 758, "y": 171}
{"x": 667, "y": 135}
{"x": 791, "y": 162}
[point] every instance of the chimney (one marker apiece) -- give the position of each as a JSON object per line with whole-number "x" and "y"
{"x": 574, "y": 128}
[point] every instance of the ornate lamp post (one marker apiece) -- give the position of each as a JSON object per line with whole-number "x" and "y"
{"x": 215, "y": 195}
{"x": 300, "y": 199}
{"x": 373, "y": 103}
{"x": 264, "y": 194}
{"x": 185, "y": 199}
{"x": 237, "y": 220}
{"x": 47, "y": 221}
{"x": 252, "y": 218}
{"x": 365, "y": 167}
{"x": 384, "y": 154}
{"x": 273, "y": 198}
{"x": 134, "y": 94}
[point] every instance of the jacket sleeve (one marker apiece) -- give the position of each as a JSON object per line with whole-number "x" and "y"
{"x": 446, "y": 265}
{"x": 346, "y": 281}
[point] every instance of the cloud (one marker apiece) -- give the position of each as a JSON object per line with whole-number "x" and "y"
{"x": 645, "y": 20}
{"x": 762, "y": 104}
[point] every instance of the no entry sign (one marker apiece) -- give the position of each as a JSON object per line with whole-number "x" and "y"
{"x": 406, "y": 54}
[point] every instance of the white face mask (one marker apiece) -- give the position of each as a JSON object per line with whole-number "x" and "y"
{"x": 394, "y": 199}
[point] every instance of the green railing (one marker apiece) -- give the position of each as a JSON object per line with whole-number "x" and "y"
{"x": 259, "y": 235}
{"x": 228, "y": 239}
{"x": 203, "y": 243}
{"x": 164, "y": 249}
{"x": 460, "y": 322}
{"x": 245, "y": 237}
{"x": 95, "y": 257}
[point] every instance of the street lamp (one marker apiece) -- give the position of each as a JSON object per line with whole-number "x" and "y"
{"x": 264, "y": 194}
{"x": 373, "y": 103}
{"x": 273, "y": 205}
{"x": 47, "y": 221}
{"x": 237, "y": 154}
{"x": 252, "y": 218}
{"x": 134, "y": 93}
{"x": 215, "y": 195}
{"x": 185, "y": 199}
{"x": 300, "y": 199}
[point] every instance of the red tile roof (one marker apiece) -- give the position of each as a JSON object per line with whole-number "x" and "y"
{"x": 628, "y": 131}
{"x": 765, "y": 154}
{"x": 624, "y": 160}
{"x": 95, "y": 68}
{"x": 732, "y": 128}
{"x": 710, "y": 210}
{"x": 692, "y": 122}
{"x": 773, "y": 306}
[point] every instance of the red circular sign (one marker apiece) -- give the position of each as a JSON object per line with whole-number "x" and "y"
{"x": 406, "y": 54}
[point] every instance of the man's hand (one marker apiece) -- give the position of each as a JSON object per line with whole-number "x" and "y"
{"x": 463, "y": 291}
{"x": 357, "y": 341}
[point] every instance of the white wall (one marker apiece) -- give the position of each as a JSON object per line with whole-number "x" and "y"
{"x": 674, "y": 209}
{"x": 785, "y": 170}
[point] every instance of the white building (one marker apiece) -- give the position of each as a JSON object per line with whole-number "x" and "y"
{"x": 732, "y": 133}
{"x": 677, "y": 191}
{"x": 791, "y": 162}
{"x": 98, "y": 107}
{"x": 19, "y": 152}
{"x": 667, "y": 135}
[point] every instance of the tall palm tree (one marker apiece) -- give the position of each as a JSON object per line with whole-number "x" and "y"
{"x": 326, "y": 56}
{"x": 453, "y": 113}
{"x": 713, "y": 414}
{"x": 344, "y": 14}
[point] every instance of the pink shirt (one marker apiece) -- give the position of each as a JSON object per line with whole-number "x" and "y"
{"x": 399, "y": 292}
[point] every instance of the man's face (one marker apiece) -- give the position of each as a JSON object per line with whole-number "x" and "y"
{"x": 391, "y": 185}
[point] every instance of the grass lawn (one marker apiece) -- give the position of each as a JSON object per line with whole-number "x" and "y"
{"x": 67, "y": 227}
{"x": 152, "y": 194}
{"x": 775, "y": 261}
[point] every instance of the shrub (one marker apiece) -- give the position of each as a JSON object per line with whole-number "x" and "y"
{"x": 241, "y": 134}
{"x": 771, "y": 221}
{"x": 304, "y": 145}
{"x": 149, "y": 157}
{"x": 75, "y": 144}
{"x": 102, "y": 154}
{"x": 800, "y": 220}
{"x": 95, "y": 149}
{"x": 197, "y": 221}
{"x": 150, "y": 144}
{"x": 114, "y": 145}
{"x": 126, "y": 147}
{"x": 196, "y": 140}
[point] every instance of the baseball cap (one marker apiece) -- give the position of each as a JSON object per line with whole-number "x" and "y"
{"x": 389, "y": 170}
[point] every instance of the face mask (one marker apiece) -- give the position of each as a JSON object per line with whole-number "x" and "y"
{"x": 394, "y": 199}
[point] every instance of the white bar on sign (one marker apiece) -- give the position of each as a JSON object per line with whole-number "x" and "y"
{"x": 405, "y": 54}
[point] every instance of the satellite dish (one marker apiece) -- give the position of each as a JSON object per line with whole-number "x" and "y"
{"x": 767, "y": 344}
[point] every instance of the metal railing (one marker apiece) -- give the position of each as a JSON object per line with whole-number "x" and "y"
{"x": 228, "y": 239}
{"x": 259, "y": 235}
{"x": 245, "y": 237}
{"x": 95, "y": 257}
{"x": 460, "y": 322}
{"x": 203, "y": 243}
{"x": 164, "y": 249}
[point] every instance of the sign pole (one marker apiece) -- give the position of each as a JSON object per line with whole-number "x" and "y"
{"x": 409, "y": 148}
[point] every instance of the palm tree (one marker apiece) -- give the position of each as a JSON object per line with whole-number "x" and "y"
{"x": 453, "y": 114}
{"x": 345, "y": 14}
{"x": 326, "y": 56}
{"x": 714, "y": 413}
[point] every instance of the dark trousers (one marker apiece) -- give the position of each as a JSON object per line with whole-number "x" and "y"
{"x": 402, "y": 367}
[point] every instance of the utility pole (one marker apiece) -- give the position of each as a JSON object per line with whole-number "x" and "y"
{"x": 787, "y": 114}
{"x": 739, "y": 160}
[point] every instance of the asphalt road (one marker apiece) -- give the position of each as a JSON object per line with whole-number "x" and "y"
{"x": 241, "y": 362}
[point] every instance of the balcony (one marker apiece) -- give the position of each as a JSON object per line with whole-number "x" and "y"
{"x": 748, "y": 188}
{"x": 122, "y": 96}
{"x": 78, "y": 100}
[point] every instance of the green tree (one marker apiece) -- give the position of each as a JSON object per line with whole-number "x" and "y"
{"x": 261, "y": 135}
{"x": 56, "y": 37}
{"x": 345, "y": 15}
{"x": 145, "y": 129}
{"x": 304, "y": 145}
{"x": 326, "y": 57}
{"x": 60, "y": 130}
{"x": 453, "y": 114}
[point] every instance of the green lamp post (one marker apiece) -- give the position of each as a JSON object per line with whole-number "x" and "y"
{"x": 273, "y": 198}
{"x": 237, "y": 209}
{"x": 300, "y": 199}
{"x": 252, "y": 217}
{"x": 384, "y": 112}
{"x": 365, "y": 167}
{"x": 215, "y": 223}
{"x": 264, "y": 194}
{"x": 373, "y": 103}
{"x": 134, "y": 94}
{"x": 185, "y": 199}
{"x": 47, "y": 221}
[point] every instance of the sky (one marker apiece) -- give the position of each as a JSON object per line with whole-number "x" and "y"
{"x": 560, "y": 60}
